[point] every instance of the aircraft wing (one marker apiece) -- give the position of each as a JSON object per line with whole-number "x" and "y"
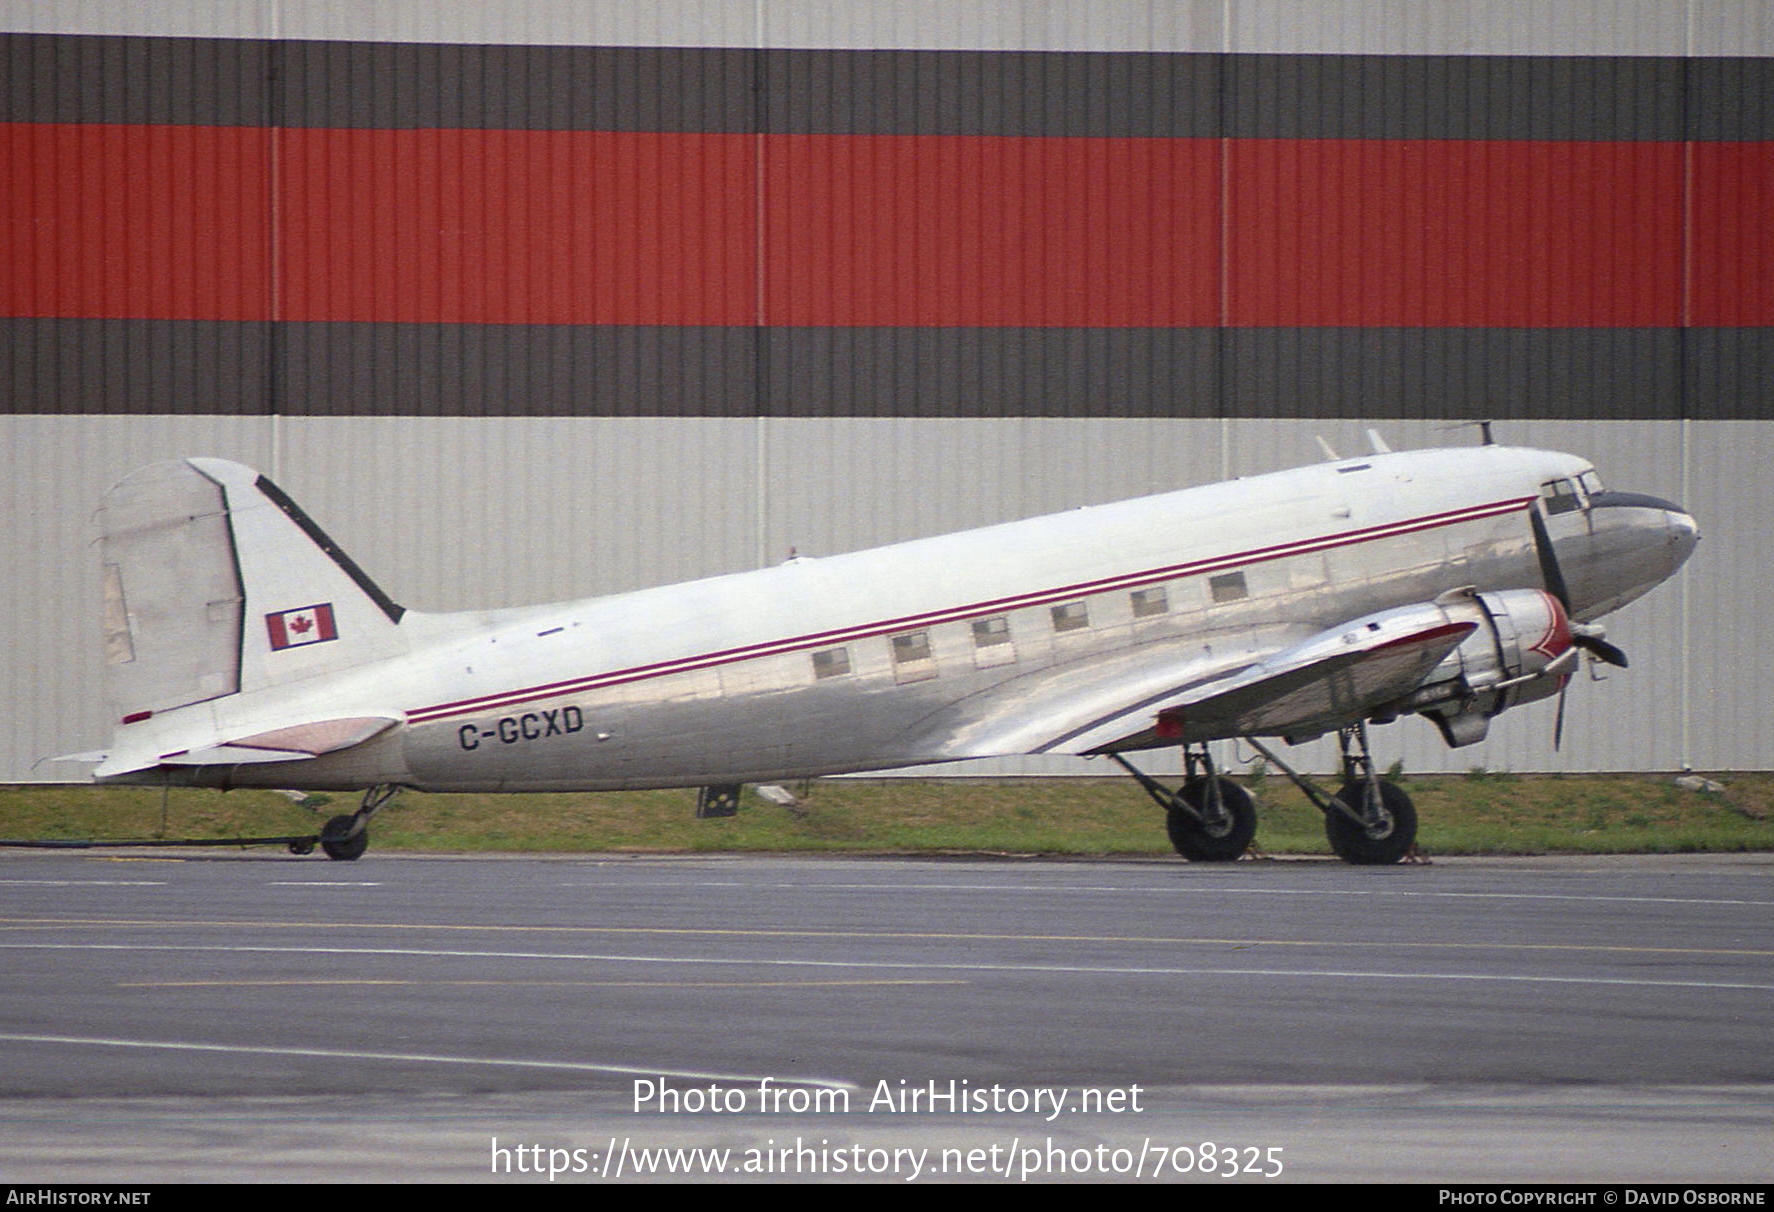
{"x": 1328, "y": 682}
{"x": 1299, "y": 687}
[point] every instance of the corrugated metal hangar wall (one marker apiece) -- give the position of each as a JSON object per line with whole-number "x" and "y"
{"x": 531, "y": 300}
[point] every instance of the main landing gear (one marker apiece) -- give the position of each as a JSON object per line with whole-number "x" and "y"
{"x": 345, "y": 838}
{"x": 1369, "y": 822}
{"x": 1211, "y": 819}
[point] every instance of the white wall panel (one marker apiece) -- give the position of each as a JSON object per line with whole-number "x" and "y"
{"x": 1478, "y": 27}
{"x": 1731, "y": 596}
{"x": 468, "y": 513}
{"x": 836, "y": 484}
{"x": 1487, "y": 27}
{"x": 1731, "y": 27}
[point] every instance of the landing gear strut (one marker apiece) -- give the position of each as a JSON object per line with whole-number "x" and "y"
{"x": 1378, "y": 822}
{"x": 1369, "y": 822}
{"x": 1210, "y": 819}
{"x": 345, "y": 838}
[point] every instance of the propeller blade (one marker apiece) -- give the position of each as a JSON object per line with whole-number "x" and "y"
{"x": 1558, "y": 721}
{"x": 1601, "y": 650}
{"x": 1549, "y": 569}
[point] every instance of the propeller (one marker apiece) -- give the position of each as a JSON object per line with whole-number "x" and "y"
{"x": 1586, "y": 636}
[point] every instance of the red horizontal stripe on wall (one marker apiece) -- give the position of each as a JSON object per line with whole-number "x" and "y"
{"x": 162, "y": 222}
{"x": 577, "y": 227}
{"x": 1463, "y": 234}
{"x": 900, "y": 230}
{"x": 518, "y": 227}
{"x": 1733, "y": 235}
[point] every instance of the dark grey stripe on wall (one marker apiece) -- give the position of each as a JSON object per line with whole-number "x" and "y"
{"x": 1430, "y": 373}
{"x": 345, "y": 369}
{"x": 124, "y": 367}
{"x": 1456, "y": 373}
{"x": 227, "y": 82}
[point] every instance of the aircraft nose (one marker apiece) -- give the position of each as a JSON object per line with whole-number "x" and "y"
{"x": 1684, "y": 533}
{"x": 1663, "y": 526}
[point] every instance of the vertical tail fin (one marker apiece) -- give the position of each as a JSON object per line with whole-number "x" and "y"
{"x": 216, "y": 583}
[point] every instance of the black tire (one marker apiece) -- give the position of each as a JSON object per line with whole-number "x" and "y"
{"x": 1377, "y": 847}
{"x": 1222, "y": 843}
{"x": 339, "y": 847}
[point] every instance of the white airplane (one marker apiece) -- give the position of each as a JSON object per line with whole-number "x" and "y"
{"x": 244, "y": 649}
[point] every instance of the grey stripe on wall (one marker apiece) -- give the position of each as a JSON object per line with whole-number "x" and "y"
{"x": 59, "y": 366}
{"x": 231, "y": 82}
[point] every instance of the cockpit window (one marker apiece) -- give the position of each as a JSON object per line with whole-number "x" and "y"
{"x": 1589, "y": 482}
{"x": 1560, "y": 496}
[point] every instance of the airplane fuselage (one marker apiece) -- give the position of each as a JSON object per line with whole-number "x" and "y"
{"x": 932, "y": 650}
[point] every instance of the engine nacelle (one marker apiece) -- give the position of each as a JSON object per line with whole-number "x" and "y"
{"x": 1521, "y": 651}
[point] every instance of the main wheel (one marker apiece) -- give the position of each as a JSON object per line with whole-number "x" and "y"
{"x": 1380, "y": 844}
{"x": 1218, "y": 843}
{"x": 338, "y": 846}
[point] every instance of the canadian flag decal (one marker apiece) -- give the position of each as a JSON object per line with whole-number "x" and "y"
{"x": 307, "y": 625}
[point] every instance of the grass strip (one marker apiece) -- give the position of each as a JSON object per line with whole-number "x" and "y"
{"x": 1475, "y": 813}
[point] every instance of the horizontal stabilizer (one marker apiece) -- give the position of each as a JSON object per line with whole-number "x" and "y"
{"x": 296, "y": 743}
{"x": 230, "y": 755}
{"x": 321, "y": 736}
{"x": 91, "y": 757}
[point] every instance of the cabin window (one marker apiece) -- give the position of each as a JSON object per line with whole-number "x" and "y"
{"x": 1071, "y": 616}
{"x": 1228, "y": 587}
{"x": 831, "y": 662}
{"x": 991, "y": 642}
{"x": 1150, "y": 601}
{"x": 1560, "y": 496}
{"x": 992, "y": 632}
{"x": 913, "y": 659}
{"x": 913, "y": 646}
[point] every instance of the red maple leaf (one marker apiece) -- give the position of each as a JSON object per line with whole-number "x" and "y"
{"x": 302, "y": 624}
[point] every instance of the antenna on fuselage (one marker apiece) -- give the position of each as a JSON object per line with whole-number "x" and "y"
{"x": 1484, "y": 430}
{"x": 1329, "y": 453}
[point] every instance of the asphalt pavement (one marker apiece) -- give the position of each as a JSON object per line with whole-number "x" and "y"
{"x": 222, "y": 1016}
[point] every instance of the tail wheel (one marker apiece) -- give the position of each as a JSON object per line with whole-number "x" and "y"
{"x": 1225, "y": 839}
{"x": 1384, "y": 842}
{"x": 338, "y": 846}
